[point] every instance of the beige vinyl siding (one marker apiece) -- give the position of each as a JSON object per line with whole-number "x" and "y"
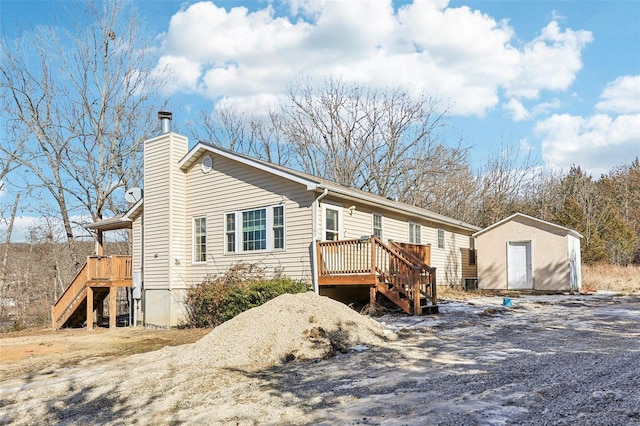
{"x": 164, "y": 206}
{"x": 357, "y": 222}
{"x": 177, "y": 222}
{"x": 231, "y": 187}
{"x": 136, "y": 235}
{"x": 156, "y": 205}
{"x": 450, "y": 268}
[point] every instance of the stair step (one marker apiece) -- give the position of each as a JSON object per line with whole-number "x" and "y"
{"x": 429, "y": 309}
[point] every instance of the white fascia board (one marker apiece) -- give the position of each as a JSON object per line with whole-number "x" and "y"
{"x": 197, "y": 150}
{"x": 133, "y": 209}
{"x": 535, "y": 219}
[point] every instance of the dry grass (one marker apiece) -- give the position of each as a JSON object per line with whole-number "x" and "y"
{"x": 605, "y": 276}
{"x": 29, "y": 351}
{"x": 447, "y": 292}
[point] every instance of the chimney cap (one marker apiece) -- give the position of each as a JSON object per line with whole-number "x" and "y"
{"x": 164, "y": 114}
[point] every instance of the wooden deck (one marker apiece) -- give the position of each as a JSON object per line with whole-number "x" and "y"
{"x": 99, "y": 278}
{"x": 388, "y": 269}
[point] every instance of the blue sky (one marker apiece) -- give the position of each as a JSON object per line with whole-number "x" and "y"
{"x": 560, "y": 79}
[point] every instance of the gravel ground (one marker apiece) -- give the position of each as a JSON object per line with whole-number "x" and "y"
{"x": 545, "y": 360}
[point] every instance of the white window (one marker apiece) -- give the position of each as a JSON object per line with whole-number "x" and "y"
{"x": 377, "y": 225}
{"x": 415, "y": 233}
{"x": 278, "y": 227}
{"x": 332, "y": 222}
{"x": 230, "y": 229}
{"x": 441, "y": 238}
{"x": 200, "y": 239}
{"x": 255, "y": 230}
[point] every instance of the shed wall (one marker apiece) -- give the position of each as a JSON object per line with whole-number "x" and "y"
{"x": 549, "y": 257}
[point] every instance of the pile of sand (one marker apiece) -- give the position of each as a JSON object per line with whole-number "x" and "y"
{"x": 290, "y": 327}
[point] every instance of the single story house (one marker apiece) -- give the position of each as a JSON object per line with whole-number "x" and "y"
{"x": 521, "y": 252}
{"x": 206, "y": 208}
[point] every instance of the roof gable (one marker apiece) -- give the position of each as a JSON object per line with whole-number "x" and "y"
{"x": 319, "y": 184}
{"x": 517, "y": 216}
{"x": 202, "y": 147}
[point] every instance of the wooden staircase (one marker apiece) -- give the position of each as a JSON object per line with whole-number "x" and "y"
{"x": 388, "y": 269}
{"x": 99, "y": 277}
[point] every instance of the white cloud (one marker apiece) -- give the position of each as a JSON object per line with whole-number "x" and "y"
{"x": 549, "y": 62}
{"x": 621, "y": 96}
{"x": 525, "y": 146}
{"x": 455, "y": 54}
{"x": 596, "y": 143}
{"x": 516, "y": 110}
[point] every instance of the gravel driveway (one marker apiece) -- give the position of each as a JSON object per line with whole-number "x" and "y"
{"x": 545, "y": 360}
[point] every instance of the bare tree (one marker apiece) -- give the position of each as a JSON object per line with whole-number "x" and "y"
{"x": 82, "y": 101}
{"x": 503, "y": 182}
{"x": 258, "y": 136}
{"x": 5, "y": 256}
{"x": 382, "y": 141}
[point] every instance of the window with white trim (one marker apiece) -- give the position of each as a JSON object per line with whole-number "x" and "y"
{"x": 200, "y": 239}
{"x": 377, "y": 225}
{"x": 230, "y": 232}
{"x": 441, "y": 238}
{"x": 255, "y": 230}
{"x": 332, "y": 224}
{"x": 278, "y": 227}
{"x": 415, "y": 233}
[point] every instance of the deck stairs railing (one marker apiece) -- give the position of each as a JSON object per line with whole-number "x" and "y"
{"x": 394, "y": 272}
{"x": 99, "y": 271}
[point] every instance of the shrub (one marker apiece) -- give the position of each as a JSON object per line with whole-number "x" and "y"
{"x": 244, "y": 286}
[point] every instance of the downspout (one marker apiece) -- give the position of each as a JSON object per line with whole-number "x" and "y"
{"x": 314, "y": 253}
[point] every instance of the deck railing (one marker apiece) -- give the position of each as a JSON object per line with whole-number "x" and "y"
{"x": 109, "y": 268}
{"x": 403, "y": 271}
{"x": 97, "y": 268}
{"x": 427, "y": 273}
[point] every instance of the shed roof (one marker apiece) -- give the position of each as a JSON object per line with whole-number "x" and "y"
{"x": 531, "y": 218}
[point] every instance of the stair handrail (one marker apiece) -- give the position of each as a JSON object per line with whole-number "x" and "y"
{"x": 432, "y": 291}
{"x": 410, "y": 256}
{"x": 404, "y": 282}
{"x": 69, "y": 294}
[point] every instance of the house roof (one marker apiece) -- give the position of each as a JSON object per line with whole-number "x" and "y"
{"x": 111, "y": 224}
{"x": 531, "y": 218}
{"x": 123, "y": 221}
{"x": 319, "y": 184}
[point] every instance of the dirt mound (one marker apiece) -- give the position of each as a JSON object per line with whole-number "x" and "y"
{"x": 290, "y": 327}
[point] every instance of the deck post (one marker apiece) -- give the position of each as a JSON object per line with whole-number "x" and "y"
{"x": 372, "y": 241}
{"x": 417, "y": 310}
{"x": 113, "y": 291}
{"x": 89, "y": 308}
{"x": 319, "y": 259}
{"x": 372, "y": 297}
{"x": 99, "y": 243}
{"x": 434, "y": 297}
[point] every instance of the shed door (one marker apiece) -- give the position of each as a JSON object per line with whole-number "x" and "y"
{"x": 519, "y": 266}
